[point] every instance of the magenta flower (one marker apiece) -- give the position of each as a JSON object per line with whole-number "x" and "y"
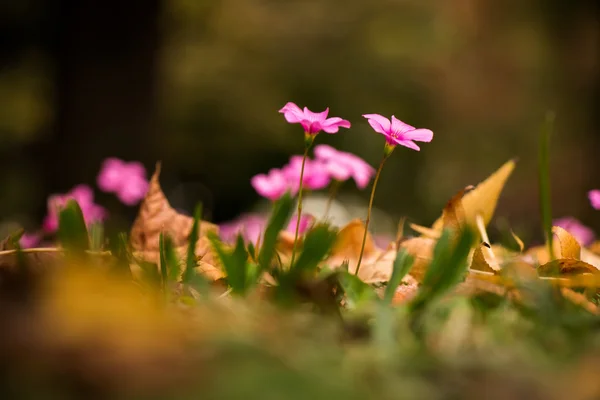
{"x": 342, "y": 165}
{"x": 84, "y": 196}
{"x": 127, "y": 180}
{"x": 315, "y": 176}
{"x": 594, "y": 196}
{"x": 252, "y": 226}
{"x": 272, "y": 185}
{"x": 29, "y": 240}
{"x": 313, "y": 123}
{"x": 580, "y": 232}
{"x": 397, "y": 132}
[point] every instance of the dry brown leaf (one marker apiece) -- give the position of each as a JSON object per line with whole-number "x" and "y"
{"x": 479, "y": 261}
{"x": 595, "y": 247}
{"x": 566, "y": 266}
{"x": 155, "y": 216}
{"x": 421, "y": 249}
{"x": 453, "y": 215}
{"x": 347, "y": 247}
{"x": 425, "y": 231}
{"x": 483, "y": 199}
{"x": 565, "y": 245}
{"x": 518, "y": 240}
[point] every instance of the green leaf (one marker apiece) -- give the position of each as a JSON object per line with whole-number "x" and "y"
{"x": 173, "y": 263}
{"x": 544, "y": 180}
{"x": 97, "y": 236}
{"x": 402, "y": 265}
{"x": 120, "y": 250}
{"x": 72, "y": 232}
{"x": 282, "y": 211}
{"x": 163, "y": 260}
{"x": 190, "y": 261}
{"x": 234, "y": 263}
{"x": 447, "y": 268}
{"x": 357, "y": 291}
{"x": 317, "y": 243}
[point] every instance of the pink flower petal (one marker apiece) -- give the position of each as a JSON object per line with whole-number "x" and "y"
{"x": 271, "y": 186}
{"x": 292, "y": 113}
{"x": 313, "y": 122}
{"x": 379, "y": 123}
{"x": 305, "y": 221}
{"x": 316, "y": 117}
{"x": 400, "y": 127}
{"x": 594, "y": 196}
{"x": 29, "y": 240}
{"x": 325, "y": 152}
{"x": 333, "y": 125}
{"x": 408, "y": 143}
{"x": 133, "y": 191}
{"x": 109, "y": 178}
{"x": 420, "y": 135}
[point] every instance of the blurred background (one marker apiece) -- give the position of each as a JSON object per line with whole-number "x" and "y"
{"x": 198, "y": 83}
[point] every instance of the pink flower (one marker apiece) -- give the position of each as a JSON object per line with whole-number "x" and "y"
{"x": 342, "y": 165}
{"x": 252, "y": 226}
{"x": 29, "y": 240}
{"x": 271, "y": 186}
{"x": 127, "y": 180}
{"x": 84, "y": 196}
{"x": 312, "y": 122}
{"x": 306, "y": 220}
{"x": 594, "y": 196}
{"x": 580, "y": 232}
{"x": 397, "y": 132}
{"x": 315, "y": 176}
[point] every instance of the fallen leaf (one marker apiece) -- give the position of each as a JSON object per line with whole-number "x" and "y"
{"x": 425, "y": 231}
{"x": 155, "y": 216}
{"x": 347, "y": 247}
{"x": 483, "y": 199}
{"x": 421, "y": 248}
{"x": 518, "y": 240}
{"x": 566, "y": 266}
{"x": 580, "y": 300}
{"x": 453, "y": 215}
{"x": 479, "y": 262}
{"x": 566, "y": 246}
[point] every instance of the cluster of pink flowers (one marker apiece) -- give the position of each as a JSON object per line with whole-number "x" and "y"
{"x": 127, "y": 180}
{"x": 328, "y": 165}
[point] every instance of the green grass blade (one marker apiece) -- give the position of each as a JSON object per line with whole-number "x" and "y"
{"x": 357, "y": 292}
{"x": 72, "y": 232}
{"x": 190, "y": 261}
{"x": 317, "y": 243}
{"x": 282, "y": 211}
{"x": 544, "y": 180}
{"x": 97, "y": 236}
{"x": 402, "y": 265}
{"x": 163, "y": 260}
{"x": 234, "y": 263}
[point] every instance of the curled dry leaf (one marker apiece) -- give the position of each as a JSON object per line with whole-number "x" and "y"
{"x": 155, "y": 216}
{"x": 565, "y": 244}
{"x": 421, "y": 248}
{"x": 566, "y": 266}
{"x": 453, "y": 215}
{"x": 479, "y": 261}
{"x": 425, "y": 231}
{"x": 580, "y": 300}
{"x": 483, "y": 199}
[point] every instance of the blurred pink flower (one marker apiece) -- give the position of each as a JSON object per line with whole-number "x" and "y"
{"x": 315, "y": 176}
{"x": 29, "y": 240}
{"x": 342, "y": 165}
{"x": 127, "y": 180}
{"x": 84, "y": 196}
{"x": 397, "y": 132}
{"x": 251, "y": 226}
{"x": 305, "y": 222}
{"x": 580, "y": 232}
{"x": 272, "y": 185}
{"x": 594, "y": 196}
{"x": 312, "y": 122}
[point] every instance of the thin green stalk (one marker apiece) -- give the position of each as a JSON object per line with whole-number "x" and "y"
{"x": 362, "y": 247}
{"x": 333, "y": 190}
{"x": 306, "y": 149}
{"x": 544, "y": 181}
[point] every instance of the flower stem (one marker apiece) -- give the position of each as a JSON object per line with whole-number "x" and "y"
{"x": 333, "y": 190}
{"x": 362, "y": 247}
{"x": 306, "y": 149}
